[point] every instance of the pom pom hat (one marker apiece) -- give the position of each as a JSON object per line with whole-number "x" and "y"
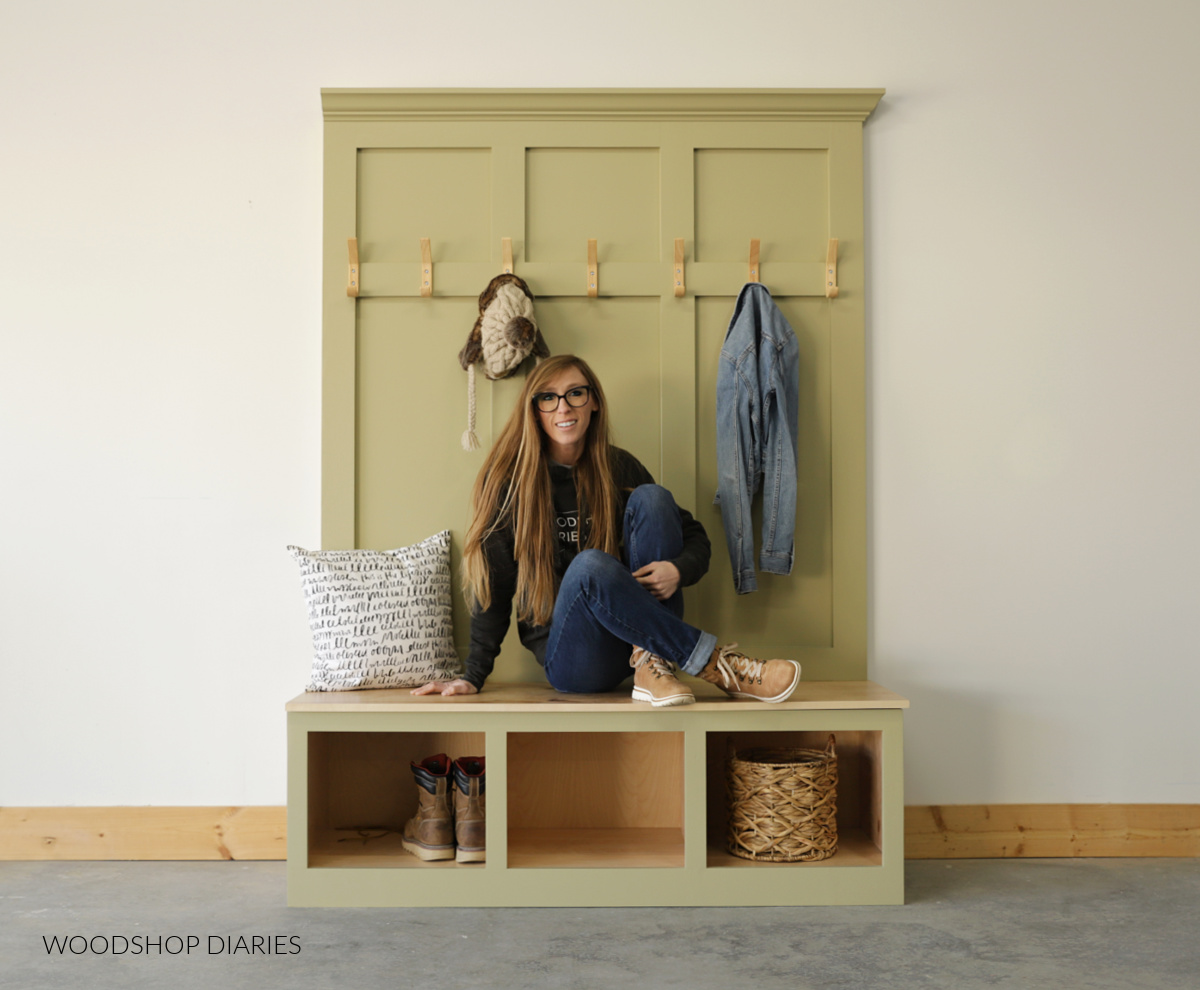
{"x": 504, "y": 335}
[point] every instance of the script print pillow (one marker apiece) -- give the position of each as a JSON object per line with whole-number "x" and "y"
{"x": 379, "y": 619}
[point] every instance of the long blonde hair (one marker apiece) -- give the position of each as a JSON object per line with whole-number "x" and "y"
{"x": 513, "y": 490}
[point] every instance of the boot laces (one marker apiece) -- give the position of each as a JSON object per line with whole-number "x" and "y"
{"x": 733, "y": 665}
{"x": 658, "y": 666}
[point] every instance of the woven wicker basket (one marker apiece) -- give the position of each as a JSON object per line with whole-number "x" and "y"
{"x": 782, "y": 803}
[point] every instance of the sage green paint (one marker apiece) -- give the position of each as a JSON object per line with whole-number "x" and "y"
{"x": 496, "y": 884}
{"x": 633, "y": 169}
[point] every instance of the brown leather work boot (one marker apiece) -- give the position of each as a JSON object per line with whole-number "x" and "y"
{"x": 654, "y": 681}
{"x": 744, "y": 677}
{"x": 429, "y": 834}
{"x": 469, "y": 809}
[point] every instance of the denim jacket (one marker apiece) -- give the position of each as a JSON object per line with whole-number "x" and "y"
{"x": 758, "y": 385}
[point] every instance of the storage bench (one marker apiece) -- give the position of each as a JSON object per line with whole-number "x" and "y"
{"x": 593, "y": 800}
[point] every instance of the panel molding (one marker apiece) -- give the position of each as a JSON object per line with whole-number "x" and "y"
{"x": 599, "y": 104}
{"x": 775, "y": 165}
{"x": 930, "y": 832}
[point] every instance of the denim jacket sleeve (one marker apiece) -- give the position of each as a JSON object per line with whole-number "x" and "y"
{"x": 757, "y": 410}
{"x": 780, "y": 413}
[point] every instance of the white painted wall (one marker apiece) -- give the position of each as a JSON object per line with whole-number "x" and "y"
{"x": 1032, "y": 221}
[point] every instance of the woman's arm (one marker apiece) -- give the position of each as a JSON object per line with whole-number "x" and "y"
{"x": 489, "y": 626}
{"x": 697, "y": 551}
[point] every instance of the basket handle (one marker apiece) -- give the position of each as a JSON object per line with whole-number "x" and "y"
{"x": 829, "y": 745}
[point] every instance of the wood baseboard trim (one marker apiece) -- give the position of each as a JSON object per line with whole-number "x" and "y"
{"x": 997, "y": 831}
{"x": 143, "y": 833}
{"x": 965, "y": 831}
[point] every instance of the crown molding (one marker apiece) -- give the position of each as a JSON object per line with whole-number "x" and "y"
{"x": 599, "y": 104}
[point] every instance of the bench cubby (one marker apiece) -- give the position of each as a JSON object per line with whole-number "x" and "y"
{"x": 592, "y": 799}
{"x": 595, "y": 799}
{"x": 859, "y": 802}
{"x": 360, "y": 794}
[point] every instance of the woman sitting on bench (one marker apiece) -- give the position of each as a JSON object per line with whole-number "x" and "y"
{"x": 594, "y": 553}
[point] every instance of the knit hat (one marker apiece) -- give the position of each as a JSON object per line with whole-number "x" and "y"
{"x": 504, "y": 335}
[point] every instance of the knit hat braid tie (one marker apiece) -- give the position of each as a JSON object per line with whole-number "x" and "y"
{"x": 469, "y": 440}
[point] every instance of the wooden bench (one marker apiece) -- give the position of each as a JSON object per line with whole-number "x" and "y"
{"x": 593, "y": 800}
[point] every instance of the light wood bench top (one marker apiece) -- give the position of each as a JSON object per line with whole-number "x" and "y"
{"x": 823, "y": 695}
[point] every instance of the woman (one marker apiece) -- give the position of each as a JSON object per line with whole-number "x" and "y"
{"x": 574, "y": 530}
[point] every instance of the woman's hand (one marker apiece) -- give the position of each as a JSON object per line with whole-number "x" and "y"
{"x": 660, "y": 578}
{"x": 456, "y": 686}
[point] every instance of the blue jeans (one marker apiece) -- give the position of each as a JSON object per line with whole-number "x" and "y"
{"x": 602, "y": 612}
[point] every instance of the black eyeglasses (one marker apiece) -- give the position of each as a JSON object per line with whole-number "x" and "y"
{"x": 576, "y": 397}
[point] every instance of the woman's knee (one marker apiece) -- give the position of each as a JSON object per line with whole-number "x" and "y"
{"x": 651, "y": 498}
{"x": 653, "y": 526}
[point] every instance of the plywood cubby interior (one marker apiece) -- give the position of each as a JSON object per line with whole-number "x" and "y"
{"x": 859, "y": 794}
{"x": 361, "y": 792}
{"x": 595, "y": 799}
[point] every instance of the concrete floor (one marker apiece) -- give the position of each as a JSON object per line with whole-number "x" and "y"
{"x": 1026, "y": 924}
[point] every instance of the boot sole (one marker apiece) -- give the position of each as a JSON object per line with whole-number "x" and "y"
{"x": 471, "y": 855}
{"x": 641, "y": 694}
{"x": 428, "y": 853}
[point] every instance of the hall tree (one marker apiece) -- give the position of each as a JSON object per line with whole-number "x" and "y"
{"x": 635, "y": 217}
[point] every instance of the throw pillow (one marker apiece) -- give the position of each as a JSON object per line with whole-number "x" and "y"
{"x": 379, "y": 619}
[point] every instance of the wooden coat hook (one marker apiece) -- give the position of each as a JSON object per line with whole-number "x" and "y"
{"x": 352, "y": 279}
{"x": 593, "y": 278}
{"x": 680, "y": 288}
{"x": 426, "y": 268}
{"x": 754, "y": 246}
{"x": 506, "y": 254}
{"x": 831, "y": 288}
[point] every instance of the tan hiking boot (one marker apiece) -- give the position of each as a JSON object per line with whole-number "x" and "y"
{"x": 744, "y": 677}
{"x": 469, "y": 809}
{"x": 429, "y": 834}
{"x": 654, "y": 681}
